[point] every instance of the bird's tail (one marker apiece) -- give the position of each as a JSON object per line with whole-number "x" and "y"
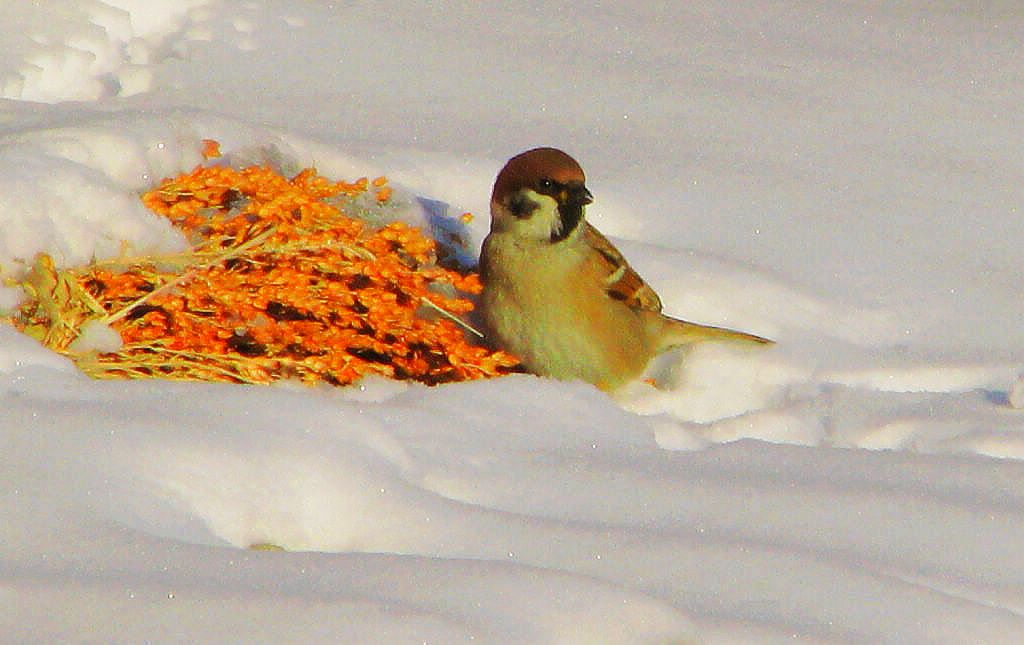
{"x": 679, "y": 332}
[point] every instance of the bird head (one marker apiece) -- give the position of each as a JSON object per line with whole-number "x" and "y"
{"x": 540, "y": 194}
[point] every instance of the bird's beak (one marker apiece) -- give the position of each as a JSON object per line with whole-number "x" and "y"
{"x": 575, "y": 194}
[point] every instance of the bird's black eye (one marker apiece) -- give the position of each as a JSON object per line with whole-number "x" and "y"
{"x": 547, "y": 185}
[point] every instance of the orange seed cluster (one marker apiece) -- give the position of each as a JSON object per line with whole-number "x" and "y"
{"x": 282, "y": 283}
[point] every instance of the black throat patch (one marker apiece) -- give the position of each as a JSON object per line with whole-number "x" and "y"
{"x": 570, "y": 216}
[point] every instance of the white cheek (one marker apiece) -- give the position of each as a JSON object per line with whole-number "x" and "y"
{"x": 540, "y": 223}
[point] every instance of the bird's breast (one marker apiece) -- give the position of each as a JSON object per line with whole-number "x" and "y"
{"x": 539, "y": 304}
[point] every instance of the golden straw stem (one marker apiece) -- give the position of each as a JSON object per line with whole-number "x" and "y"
{"x": 236, "y": 251}
{"x": 452, "y": 317}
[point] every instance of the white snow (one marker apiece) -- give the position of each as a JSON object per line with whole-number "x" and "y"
{"x": 844, "y": 178}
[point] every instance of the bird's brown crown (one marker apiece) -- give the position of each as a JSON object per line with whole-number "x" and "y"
{"x": 527, "y": 169}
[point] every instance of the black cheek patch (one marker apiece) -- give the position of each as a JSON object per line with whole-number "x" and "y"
{"x": 522, "y": 206}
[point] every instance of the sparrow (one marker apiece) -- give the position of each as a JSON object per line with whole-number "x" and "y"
{"x": 558, "y": 295}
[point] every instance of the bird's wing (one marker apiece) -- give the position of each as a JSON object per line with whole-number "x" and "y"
{"x": 621, "y": 283}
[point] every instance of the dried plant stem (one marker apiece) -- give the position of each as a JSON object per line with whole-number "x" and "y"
{"x": 452, "y": 317}
{"x": 163, "y": 357}
{"x": 223, "y": 257}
